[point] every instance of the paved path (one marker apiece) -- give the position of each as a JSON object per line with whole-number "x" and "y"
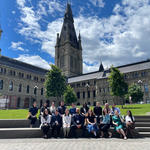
{"x": 75, "y": 144}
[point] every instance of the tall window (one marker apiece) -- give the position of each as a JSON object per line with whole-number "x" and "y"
{"x": 41, "y": 91}
{"x": 83, "y": 95}
{"x": 1, "y": 84}
{"x": 28, "y": 89}
{"x": 94, "y": 93}
{"x": 20, "y": 88}
{"x": 78, "y": 95}
{"x": 10, "y": 86}
{"x": 146, "y": 89}
{"x": 35, "y": 90}
{"x": 88, "y": 94}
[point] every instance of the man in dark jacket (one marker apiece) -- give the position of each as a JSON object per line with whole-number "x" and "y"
{"x": 56, "y": 123}
{"x": 98, "y": 112}
{"x": 77, "y": 122}
{"x": 62, "y": 108}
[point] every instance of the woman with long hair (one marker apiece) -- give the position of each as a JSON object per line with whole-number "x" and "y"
{"x": 91, "y": 123}
{"x": 105, "y": 124}
{"x": 130, "y": 121}
{"x": 118, "y": 124}
{"x": 66, "y": 123}
{"x": 45, "y": 122}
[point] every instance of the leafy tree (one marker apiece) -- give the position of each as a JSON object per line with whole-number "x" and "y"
{"x": 135, "y": 92}
{"x": 55, "y": 83}
{"x": 117, "y": 84}
{"x": 69, "y": 95}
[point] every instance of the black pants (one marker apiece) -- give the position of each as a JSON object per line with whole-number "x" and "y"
{"x": 33, "y": 120}
{"x": 57, "y": 129}
{"x": 73, "y": 131}
{"x": 45, "y": 129}
{"x": 104, "y": 127}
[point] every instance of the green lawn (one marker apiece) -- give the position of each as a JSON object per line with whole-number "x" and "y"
{"x": 138, "y": 109}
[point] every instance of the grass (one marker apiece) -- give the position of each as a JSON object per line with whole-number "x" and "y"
{"x": 138, "y": 109}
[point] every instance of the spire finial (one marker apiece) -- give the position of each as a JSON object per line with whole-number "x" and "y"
{"x": 101, "y": 68}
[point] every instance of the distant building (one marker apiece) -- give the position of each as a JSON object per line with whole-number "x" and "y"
{"x": 22, "y": 83}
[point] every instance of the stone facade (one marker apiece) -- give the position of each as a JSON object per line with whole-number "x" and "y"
{"x": 21, "y": 83}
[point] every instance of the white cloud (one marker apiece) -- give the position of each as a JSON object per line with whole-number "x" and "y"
{"x": 118, "y": 39}
{"x": 17, "y": 46}
{"x": 99, "y": 3}
{"x": 34, "y": 60}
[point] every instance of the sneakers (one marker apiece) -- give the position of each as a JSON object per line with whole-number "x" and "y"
{"x": 125, "y": 138}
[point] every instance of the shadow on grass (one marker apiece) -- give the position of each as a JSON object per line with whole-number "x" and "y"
{"x": 132, "y": 108}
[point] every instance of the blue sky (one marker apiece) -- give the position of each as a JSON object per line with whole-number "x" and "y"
{"x": 113, "y": 31}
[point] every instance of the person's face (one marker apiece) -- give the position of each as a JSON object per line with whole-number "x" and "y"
{"x": 56, "y": 113}
{"x": 34, "y": 104}
{"x": 90, "y": 111}
{"x": 45, "y": 104}
{"x": 116, "y": 113}
{"x": 53, "y": 103}
{"x": 62, "y": 103}
{"x": 77, "y": 110}
{"x": 46, "y": 111}
{"x": 67, "y": 111}
{"x": 97, "y": 104}
{"x": 73, "y": 105}
{"x": 128, "y": 113}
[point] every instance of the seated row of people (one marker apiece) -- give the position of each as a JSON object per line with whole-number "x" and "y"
{"x": 94, "y": 121}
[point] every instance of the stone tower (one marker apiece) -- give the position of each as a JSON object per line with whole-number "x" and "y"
{"x": 68, "y": 49}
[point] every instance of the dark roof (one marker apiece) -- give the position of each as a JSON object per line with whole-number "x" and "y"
{"x": 21, "y": 65}
{"x": 132, "y": 67}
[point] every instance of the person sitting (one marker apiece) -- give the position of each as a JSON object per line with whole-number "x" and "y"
{"x": 114, "y": 108}
{"x": 72, "y": 110}
{"x": 77, "y": 122}
{"x": 98, "y": 111}
{"x": 84, "y": 109}
{"x": 62, "y": 108}
{"x": 91, "y": 121}
{"x": 56, "y": 123}
{"x": 52, "y": 108}
{"x": 107, "y": 108}
{"x": 130, "y": 124}
{"x": 118, "y": 124}
{"x": 45, "y": 122}
{"x": 105, "y": 124}
{"x": 41, "y": 111}
{"x": 32, "y": 114}
{"x": 66, "y": 123}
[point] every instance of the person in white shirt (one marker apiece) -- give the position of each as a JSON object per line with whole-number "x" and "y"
{"x": 45, "y": 123}
{"x": 66, "y": 123}
{"x": 52, "y": 108}
{"x": 130, "y": 127}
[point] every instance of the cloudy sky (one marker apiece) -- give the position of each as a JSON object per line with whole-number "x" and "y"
{"x": 113, "y": 31}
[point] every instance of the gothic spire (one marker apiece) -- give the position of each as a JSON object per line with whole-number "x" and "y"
{"x": 101, "y": 68}
{"x": 68, "y": 33}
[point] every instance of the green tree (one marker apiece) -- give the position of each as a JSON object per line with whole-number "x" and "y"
{"x": 117, "y": 84}
{"x": 55, "y": 83}
{"x": 69, "y": 95}
{"x": 135, "y": 92}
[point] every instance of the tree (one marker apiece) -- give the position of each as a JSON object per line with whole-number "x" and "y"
{"x": 55, "y": 83}
{"x": 69, "y": 95}
{"x": 117, "y": 84}
{"x": 135, "y": 92}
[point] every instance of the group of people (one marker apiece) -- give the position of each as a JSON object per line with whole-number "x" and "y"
{"x": 96, "y": 121}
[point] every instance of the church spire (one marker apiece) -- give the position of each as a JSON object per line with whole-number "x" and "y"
{"x": 68, "y": 33}
{"x": 101, "y": 68}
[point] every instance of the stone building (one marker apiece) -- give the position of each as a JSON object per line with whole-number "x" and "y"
{"x": 21, "y": 83}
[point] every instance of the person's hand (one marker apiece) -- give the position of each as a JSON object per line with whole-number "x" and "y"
{"x": 78, "y": 126}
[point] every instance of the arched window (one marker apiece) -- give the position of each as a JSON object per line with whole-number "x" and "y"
{"x": 35, "y": 90}
{"x": 28, "y": 88}
{"x": 1, "y": 84}
{"x": 10, "y": 86}
{"x": 20, "y": 88}
{"x": 41, "y": 91}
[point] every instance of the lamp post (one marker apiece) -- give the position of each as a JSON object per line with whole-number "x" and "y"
{"x": 140, "y": 83}
{"x": 87, "y": 87}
